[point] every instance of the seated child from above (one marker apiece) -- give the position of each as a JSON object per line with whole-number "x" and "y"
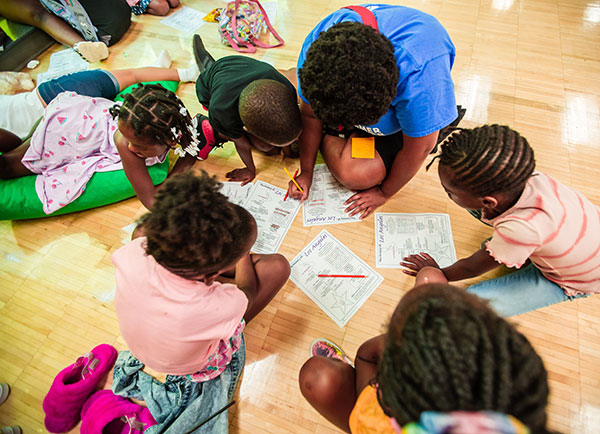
{"x": 250, "y": 103}
{"x": 490, "y": 170}
{"x": 80, "y": 135}
{"x": 177, "y": 311}
{"x": 446, "y": 364}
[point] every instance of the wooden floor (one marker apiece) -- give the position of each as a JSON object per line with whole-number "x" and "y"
{"x": 531, "y": 64}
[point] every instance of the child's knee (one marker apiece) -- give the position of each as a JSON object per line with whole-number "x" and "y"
{"x": 159, "y": 7}
{"x": 275, "y": 265}
{"x": 355, "y": 177}
{"x": 314, "y": 377}
{"x": 282, "y": 265}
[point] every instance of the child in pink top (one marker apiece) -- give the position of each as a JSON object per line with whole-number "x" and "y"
{"x": 535, "y": 218}
{"x": 179, "y": 314}
{"x": 79, "y": 135}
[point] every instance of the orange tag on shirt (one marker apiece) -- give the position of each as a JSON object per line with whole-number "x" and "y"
{"x": 363, "y": 147}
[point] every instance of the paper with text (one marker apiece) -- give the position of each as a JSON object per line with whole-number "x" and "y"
{"x": 325, "y": 202}
{"x": 237, "y": 193}
{"x": 186, "y": 19}
{"x": 273, "y": 215}
{"x": 61, "y": 63}
{"x": 339, "y": 298}
{"x": 399, "y": 235}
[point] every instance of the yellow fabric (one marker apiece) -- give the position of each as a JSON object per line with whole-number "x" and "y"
{"x": 367, "y": 417}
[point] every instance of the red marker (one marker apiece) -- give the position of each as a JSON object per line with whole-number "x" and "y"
{"x": 342, "y": 275}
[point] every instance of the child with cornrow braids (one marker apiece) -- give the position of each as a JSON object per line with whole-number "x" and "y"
{"x": 446, "y": 364}
{"x": 80, "y": 135}
{"x": 490, "y": 171}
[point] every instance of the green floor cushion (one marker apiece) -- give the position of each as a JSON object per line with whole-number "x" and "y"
{"x": 19, "y": 200}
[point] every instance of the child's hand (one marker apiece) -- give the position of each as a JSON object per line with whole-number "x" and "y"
{"x": 241, "y": 175}
{"x": 415, "y": 262}
{"x": 304, "y": 180}
{"x": 365, "y": 202}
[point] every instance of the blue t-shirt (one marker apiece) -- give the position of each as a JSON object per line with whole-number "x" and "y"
{"x": 424, "y": 53}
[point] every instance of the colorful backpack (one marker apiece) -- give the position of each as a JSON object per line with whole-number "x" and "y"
{"x": 240, "y": 24}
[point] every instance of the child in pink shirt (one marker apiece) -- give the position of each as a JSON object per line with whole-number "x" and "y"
{"x": 177, "y": 312}
{"x": 491, "y": 170}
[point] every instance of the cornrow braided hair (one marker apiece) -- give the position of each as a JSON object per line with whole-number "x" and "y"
{"x": 153, "y": 112}
{"x": 487, "y": 160}
{"x": 451, "y": 352}
{"x": 192, "y": 228}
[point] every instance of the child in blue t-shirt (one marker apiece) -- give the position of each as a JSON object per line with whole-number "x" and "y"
{"x": 376, "y": 70}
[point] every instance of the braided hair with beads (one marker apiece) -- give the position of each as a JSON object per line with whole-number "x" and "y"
{"x": 487, "y": 160}
{"x": 446, "y": 350}
{"x": 156, "y": 113}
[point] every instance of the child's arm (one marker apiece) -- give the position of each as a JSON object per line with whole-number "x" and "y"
{"x": 478, "y": 263}
{"x": 183, "y": 164}
{"x": 245, "y": 278}
{"x": 247, "y": 174}
{"x": 127, "y": 77}
{"x": 137, "y": 174}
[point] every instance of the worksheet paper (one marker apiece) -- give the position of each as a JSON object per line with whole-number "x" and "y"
{"x": 338, "y": 297}
{"x": 61, "y": 63}
{"x": 237, "y": 193}
{"x": 399, "y": 235}
{"x": 325, "y": 202}
{"x": 186, "y": 20}
{"x": 273, "y": 215}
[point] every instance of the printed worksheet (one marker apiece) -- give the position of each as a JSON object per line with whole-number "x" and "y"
{"x": 186, "y": 19}
{"x": 237, "y": 193}
{"x": 273, "y": 215}
{"x": 61, "y": 63}
{"x": 338, "y": 297}
{"x": 399, "y": 235}
{"x": 325, "y": 203}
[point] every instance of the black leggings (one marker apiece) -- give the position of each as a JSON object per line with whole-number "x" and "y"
{"x": 111, "y": 17}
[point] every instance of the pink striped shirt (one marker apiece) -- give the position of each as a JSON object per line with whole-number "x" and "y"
{"x": 557, "y": 228}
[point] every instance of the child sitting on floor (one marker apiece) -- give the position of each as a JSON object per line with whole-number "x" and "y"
{"x": 81, "y": 135}
{"x": 250, "y": 103}
{"x": 447, "y": 364}
{"x": 491, "y": 170}
{"x": 177, "y": 312}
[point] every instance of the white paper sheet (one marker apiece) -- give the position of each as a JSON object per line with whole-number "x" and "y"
{"x": 325, "y": 203}
{"x": 62, "y": 63}
{"x": 338, "y": 297}
{"x": 399, "y": 235}
{"x": 237, "y": 193}
{"x": 186, "y": 20}
{"x": 273, "y": 215}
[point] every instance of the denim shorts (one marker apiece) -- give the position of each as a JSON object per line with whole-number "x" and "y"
{"x": 179, "y": 405}
{"x": 521, "y": 291}
{"x": 96, "y": 83}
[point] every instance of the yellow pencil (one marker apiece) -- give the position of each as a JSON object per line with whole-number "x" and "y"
{"x": 292, "y": 178}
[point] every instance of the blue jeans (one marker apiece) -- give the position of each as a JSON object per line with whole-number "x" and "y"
{"x": 179, "y": 405}
{"x": 519, "y": 292}
{"x": 96, "y": 83}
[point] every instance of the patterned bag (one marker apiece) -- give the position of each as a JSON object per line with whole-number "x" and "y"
{"x": 240, "y": 24}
